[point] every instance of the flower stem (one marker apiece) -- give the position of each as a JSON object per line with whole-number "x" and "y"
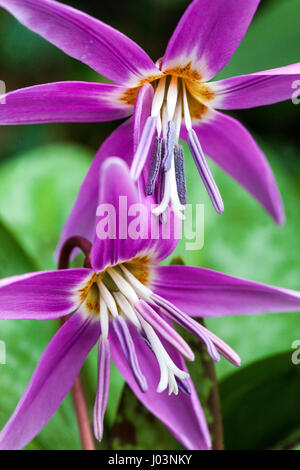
{"x": 80, "y": 406}
{"x": 213, "y": 401}
{"x": 83, "y": 420}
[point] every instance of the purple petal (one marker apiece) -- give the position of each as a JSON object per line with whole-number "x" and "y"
{"x": 182, "y": 414}
{"x": 205, "y": 293}
{"x": 81, "y": 221}
{"x": 65, "y": 102}
{"x": 127, "y": 345}
{"x": 204, "y": 171}
{"x": 231, "y": 146}
{"x": 102, "y": 387}
{"x": 41, "y": 295}
{"x": 143, "y": 147}
{"x": 207, "y": 36}
{"x": 124, "y": 224}
{"x": 94, "y": 43}
{"x": 142, "y": 110}
{"x": 51, "y": 381}
{"x": 257, "y": 89}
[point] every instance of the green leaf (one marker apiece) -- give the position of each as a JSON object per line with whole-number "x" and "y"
{"x": 13, "y": 258}
{"x": 261, "y": 404}
{"x": 37, "y": 190}
{"x": 272, "y": 40}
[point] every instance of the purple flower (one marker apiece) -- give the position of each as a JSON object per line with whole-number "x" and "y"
{"x": 203, "y": 42}
{"x": 127, "y": 302}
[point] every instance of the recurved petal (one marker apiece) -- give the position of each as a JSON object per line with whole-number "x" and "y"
{"x": 226, "y": 141}
{"x": 65, "y": 102}
{"x": 207, "y": 36}
{"x": 182, "y": 414}
{"x": 125, "y": 226}
{"x": 85, "y": 38}
{"x": 51, "y": 381}
{"x": 103, "y": 383}
{"x": 82, "y": 219}
{"x": 206, "y": 293}
{"x": 257, "y": 89}
{"x": 42, "y": 295}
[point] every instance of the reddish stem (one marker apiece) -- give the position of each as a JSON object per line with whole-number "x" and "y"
{"x": 80, "y": 406}
{"x": 82, "y": 415}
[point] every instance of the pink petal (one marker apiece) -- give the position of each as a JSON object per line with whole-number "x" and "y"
{"x": 65, "y": 102}
{"x": 226, "y": 141}
{"x": 256, "y": 89}
{"x": 207, "y": 36}
{"x": 82, "y": 220}
{"x": 205, "y": 293}
{"x": 41, "y": 295}
{"x": 51, "y": 381}
{"x": 182, "y": 414}
{"x": 81, "y": 36}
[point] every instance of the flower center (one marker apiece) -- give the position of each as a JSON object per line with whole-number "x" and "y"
{"x": 176, "y": 102}
{"x": 129, "y": 311}
{"x": 120, "y": 296}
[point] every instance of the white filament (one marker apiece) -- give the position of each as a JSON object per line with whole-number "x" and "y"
{"x": 103, "y": 318}
{"x": 158, "y": 98}
{"x": 168, "y": 370}
{"x": 108, "y": 299}
{"x": 123, "y": 285}
{"x": 172, "y": 97}
{"x": 187, "y": 116}
{"x": 142, "y": 290}
{"x": 126, "y": 308}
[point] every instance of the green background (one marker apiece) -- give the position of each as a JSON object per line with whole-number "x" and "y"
{"x": 41, "y": 169}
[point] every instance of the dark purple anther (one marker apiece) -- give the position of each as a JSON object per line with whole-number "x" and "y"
{"x": 184, "y": 386}
{"x": 155, "y": 165}
{"x": 180, "y": 173}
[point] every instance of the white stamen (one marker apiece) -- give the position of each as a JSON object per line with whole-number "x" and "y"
{"x": 187, "y": 116}
{"x": 178, "y": 117}
{"x": 123, "y": 285}
{"x": 126, "y": 308}
{"x": 158, "y": 98}
{"x": 142, "y": 290}
{"x": 108, "y": 299}
{"x": 166, "y": 197}
{"x": 158, "y": 125}
{"x": 164, "y": 122}
{"x": 104, "y": 322}
{"x": 170, "y": 194}
{"x": 167, "y": 367}
{"x": 172, "y": 98}
{"x": 173, "y": 387}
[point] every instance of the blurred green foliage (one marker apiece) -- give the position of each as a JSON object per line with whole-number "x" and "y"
{"x": 42, "y": 168}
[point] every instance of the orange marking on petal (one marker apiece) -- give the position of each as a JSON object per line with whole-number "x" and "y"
{"x": 83, "y": 291}
{"x": 201, "y": 91}
{"x": 140, "y": 268}
{"x": 129, "y": 96}
{"x": 185, "y": 71}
